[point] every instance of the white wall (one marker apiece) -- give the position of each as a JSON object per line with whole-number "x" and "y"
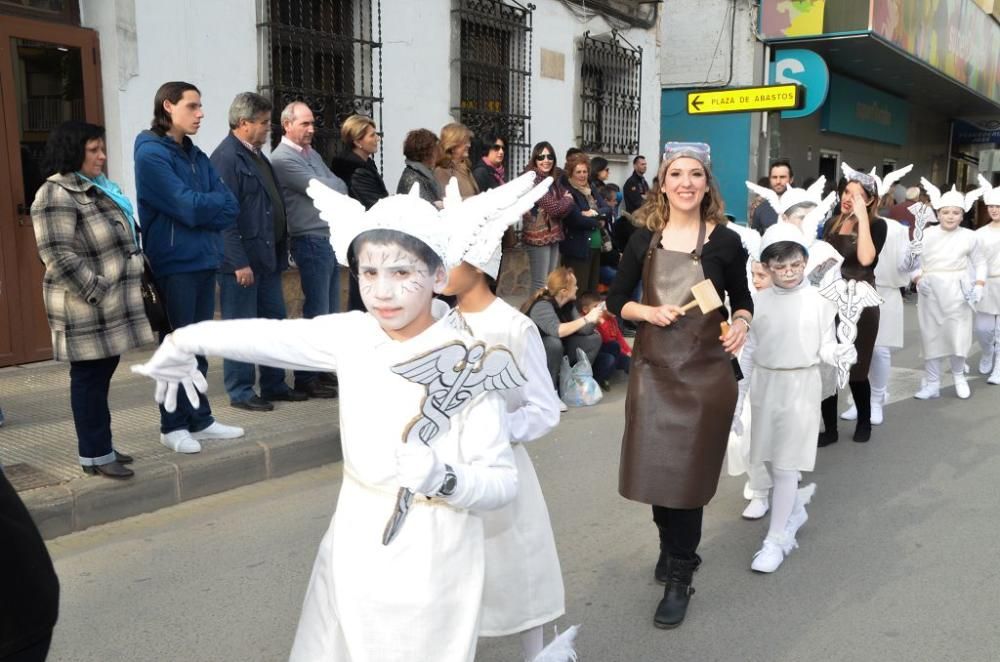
{"x": 145, "y": 44}
{"x": 697, "y": 38}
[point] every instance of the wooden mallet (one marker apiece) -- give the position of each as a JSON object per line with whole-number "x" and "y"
{"x": 705, "y": 297}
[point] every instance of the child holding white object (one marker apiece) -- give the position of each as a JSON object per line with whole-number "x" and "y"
{"x": 988, "y": 309}
{"x": 793, "y": 332}
{"x": 947, "y": 298}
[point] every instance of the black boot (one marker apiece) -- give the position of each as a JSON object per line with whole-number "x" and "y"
{"x": 828, "y": 408}
{"x": 676, "y": 594}
{"x": 862, "y": 392}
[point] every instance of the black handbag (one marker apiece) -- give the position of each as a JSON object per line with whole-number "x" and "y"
{"x": 152, "y": 299}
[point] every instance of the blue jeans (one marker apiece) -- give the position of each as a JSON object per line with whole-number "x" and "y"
{"x": 317, "y": 265}
{"x": 609, "y": 359}
{"x": 89, "y": 383}
{"x": 189, "y": 298}
{"x": 262, "y": 299}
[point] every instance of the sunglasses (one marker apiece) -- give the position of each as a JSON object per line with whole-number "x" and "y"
{"x": 545, "y": 157}
{"x": 497, "y": 147}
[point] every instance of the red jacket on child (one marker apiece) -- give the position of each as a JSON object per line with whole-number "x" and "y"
{"x": 609, "y": 332}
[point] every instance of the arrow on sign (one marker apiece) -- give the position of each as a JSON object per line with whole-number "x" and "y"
{"x": 696, "y": 103}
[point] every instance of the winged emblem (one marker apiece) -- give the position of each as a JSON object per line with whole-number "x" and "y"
{"x": 851, "y": 297}
{"x": 453, "y": 375}
{"x": 922, "y": 215}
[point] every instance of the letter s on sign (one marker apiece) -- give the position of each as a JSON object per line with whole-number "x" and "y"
{"x": 786, "y": 66}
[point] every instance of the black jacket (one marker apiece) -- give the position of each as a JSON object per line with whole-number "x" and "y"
{"x": 483, "y": 174}
{"x": 577, "y": 227}
{"x": 251, "y": 242}
{"x": 364, "y": 183}
{"x": 29, "y": 589}
{"x": 635, "y": 188}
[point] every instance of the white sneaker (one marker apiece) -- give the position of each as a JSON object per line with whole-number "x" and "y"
{"x": 994, "y": 377}
{"x": 799, "y": 515}
{"x": 219, "y": 431}
{"x": 876, "y": 415}
{"x": 962, "y": 389}
{"x": 180, "y": 441}
{"x": 851, "y": 414}
{"x": 986, "y": 363}
{"x": 563, "y": 407}
{"x": 928, "y": 390}
{"x": 772, "y": 553}
{"x": 757, "y": 508}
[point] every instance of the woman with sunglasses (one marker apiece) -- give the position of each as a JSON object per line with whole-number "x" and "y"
{"x": 489, "y": 171}
{"x": 542, "y": 227}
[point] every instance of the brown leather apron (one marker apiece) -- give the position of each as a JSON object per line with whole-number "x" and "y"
{"x": 681, "y": 392}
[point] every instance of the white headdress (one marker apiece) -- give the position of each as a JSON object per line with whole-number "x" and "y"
{"x": 953, "y": 198}
{"x": 749, "y": 237}
{"x": 477, "y": 224}
{"x": 991, "y": 196}
{"x": 783, "y": 232}
{"x": 885, "y": 185}
{"x": 867, "y": 180}
{"x": 797, "y": 196}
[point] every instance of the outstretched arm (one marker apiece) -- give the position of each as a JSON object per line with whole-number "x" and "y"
{"x": 539, "y": 410}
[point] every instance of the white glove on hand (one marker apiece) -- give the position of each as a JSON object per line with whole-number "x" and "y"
{"x": 418, "y": 468}
{"x": 923, "y": 288}
{"x": 846, "y": 354}
{"x": 170, "y": 366}
{"x": 975, "y": 294}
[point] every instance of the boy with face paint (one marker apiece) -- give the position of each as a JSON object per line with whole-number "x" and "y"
{"x": 793, "y": 332}
{"x": 524, "y": 587}
{"x": 947, "y": 298}
{"x": 988, "y": 309}
{"x": 418, "y": 597}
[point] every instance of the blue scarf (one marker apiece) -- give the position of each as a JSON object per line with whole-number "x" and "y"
{"x": 113, "y": 191}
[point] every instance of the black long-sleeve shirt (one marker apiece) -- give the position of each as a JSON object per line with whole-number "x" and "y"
{"x": 723, "y": 259}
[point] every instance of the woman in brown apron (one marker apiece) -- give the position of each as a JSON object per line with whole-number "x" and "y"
{"x": 682, "y": 387}
{"x": 857, "y": 234}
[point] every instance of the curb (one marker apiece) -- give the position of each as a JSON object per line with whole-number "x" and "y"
{"x": 86, "y": 502}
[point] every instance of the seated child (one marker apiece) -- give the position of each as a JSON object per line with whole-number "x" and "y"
{"x": 615, "y": 352}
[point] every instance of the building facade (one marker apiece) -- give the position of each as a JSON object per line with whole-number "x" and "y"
{"x": 571, "y": 72}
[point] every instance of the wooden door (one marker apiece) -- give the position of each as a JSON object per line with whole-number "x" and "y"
{"x": 49, "y": 73}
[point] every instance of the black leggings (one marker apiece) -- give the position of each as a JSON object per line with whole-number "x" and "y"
{"x": 680, "y": 530}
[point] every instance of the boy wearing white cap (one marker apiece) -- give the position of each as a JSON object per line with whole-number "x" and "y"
{"x": 409, "y": 589}
{"x": 988, "y": 308}
{"x": 793, "y": 332}
{"x": 947, "y": 295}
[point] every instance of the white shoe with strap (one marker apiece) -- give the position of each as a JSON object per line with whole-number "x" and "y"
{"x": 772, "y": 553}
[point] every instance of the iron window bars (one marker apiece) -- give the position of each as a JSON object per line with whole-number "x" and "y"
{"x": 611, "y": 94}
{"x": 494, "y": 71}
{"x": 322, "y": 52}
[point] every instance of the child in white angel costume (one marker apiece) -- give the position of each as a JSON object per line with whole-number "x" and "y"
{"x": 898, "y": 259}
{"x": 988, "y": 308}
{"x": 418, "y": 596}
{"x": 947, "y": 292}
{"x": 524, "y": 587}
{"x": 792, "y": 333}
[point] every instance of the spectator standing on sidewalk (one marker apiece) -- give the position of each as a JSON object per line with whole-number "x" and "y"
{"x": 295, "y": 162}
{"x": 255, "y": 248}
{"x": 87, "y": 239}
{"x": 543, "y": 224}
{"x": 183, "y": 206}
{"x": 456, "y": 139}
{"x": 780, "y": 177}
{"x": 636, "y": 187}
{"x": 489, "y": 172}
{"x": 421, "y": 152}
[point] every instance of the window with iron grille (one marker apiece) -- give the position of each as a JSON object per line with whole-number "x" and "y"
{"x": 611, "y": 83}
{"x": 326, "y": 53}
{"x": 494, "y": 73}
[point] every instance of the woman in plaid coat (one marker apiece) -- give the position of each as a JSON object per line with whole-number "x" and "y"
{"x": 87, "y": 237}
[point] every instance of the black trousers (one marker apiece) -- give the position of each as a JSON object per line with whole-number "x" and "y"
{"x": 89, "y": 383}
{"x": 680, "y": 530}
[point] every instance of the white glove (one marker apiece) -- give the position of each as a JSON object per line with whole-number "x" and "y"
{"x": 916, "y": 247}
{"x": 923, "y": 288}
{"x": 170, "y": 366}
{"x": 418, "y": 468}
{"x": 846, "y": 353}
{"x": 737, "y": 426}
{"x": 975, "y": 294}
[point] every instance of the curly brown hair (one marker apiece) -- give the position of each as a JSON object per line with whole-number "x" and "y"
{"x": 420, "y": 145}
{"x": 574, "y": 160}
{"x": 655, "y": 213}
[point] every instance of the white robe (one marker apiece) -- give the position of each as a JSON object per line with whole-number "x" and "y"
{"x": 949, "y": 262}
{"x": 792, "y": 334}
{"x": 419, "y": 597}
{"x": 524, "y": 586}
{"x": 891, "y": 273}
{"x": 989, "y": 242}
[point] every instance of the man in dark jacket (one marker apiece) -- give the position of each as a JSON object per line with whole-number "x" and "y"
{"x": 489, "y": 171}
{"x": 636, "y": 186}
{"x": 780, "y": 177}
{"x": 255, "y": 248}
{"x": 183, "y": 208}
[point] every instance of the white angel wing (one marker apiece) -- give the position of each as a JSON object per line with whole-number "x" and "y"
{"x": 885, "y": 185}
{"x": 343, "y": 214}
{"x": 972, "y": 196}
{"x": 815, "y": 189}
{"x": 452, "y": 196}
{"x": 848, "y": 171}
{"x": 818, "y": 215}
{"x": 768, "y": 194}
{"x": 933, "y": 192}
{"x": 984, "y": 183}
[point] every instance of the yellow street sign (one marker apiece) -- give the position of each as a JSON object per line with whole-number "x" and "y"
{"x": 746, "y": 99}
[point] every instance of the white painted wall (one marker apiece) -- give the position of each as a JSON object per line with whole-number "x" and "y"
{"x": 145, "y": 44}
{"x": 697, "y": 38}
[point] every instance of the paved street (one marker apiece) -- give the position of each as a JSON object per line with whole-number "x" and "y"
{"x": 897, "y": 562}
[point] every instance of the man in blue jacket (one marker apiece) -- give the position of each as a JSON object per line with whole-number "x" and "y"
{"x": 255, "y": 249}
{"x": 183, "y": 208}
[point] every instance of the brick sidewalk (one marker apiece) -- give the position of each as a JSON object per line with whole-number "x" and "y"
{"x": 39, "y": 455}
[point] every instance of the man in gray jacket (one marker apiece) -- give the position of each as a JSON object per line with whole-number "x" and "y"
{"x": 296, "y": 162}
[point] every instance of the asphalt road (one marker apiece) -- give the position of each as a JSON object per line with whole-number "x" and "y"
{"x": 899, "y": 560}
